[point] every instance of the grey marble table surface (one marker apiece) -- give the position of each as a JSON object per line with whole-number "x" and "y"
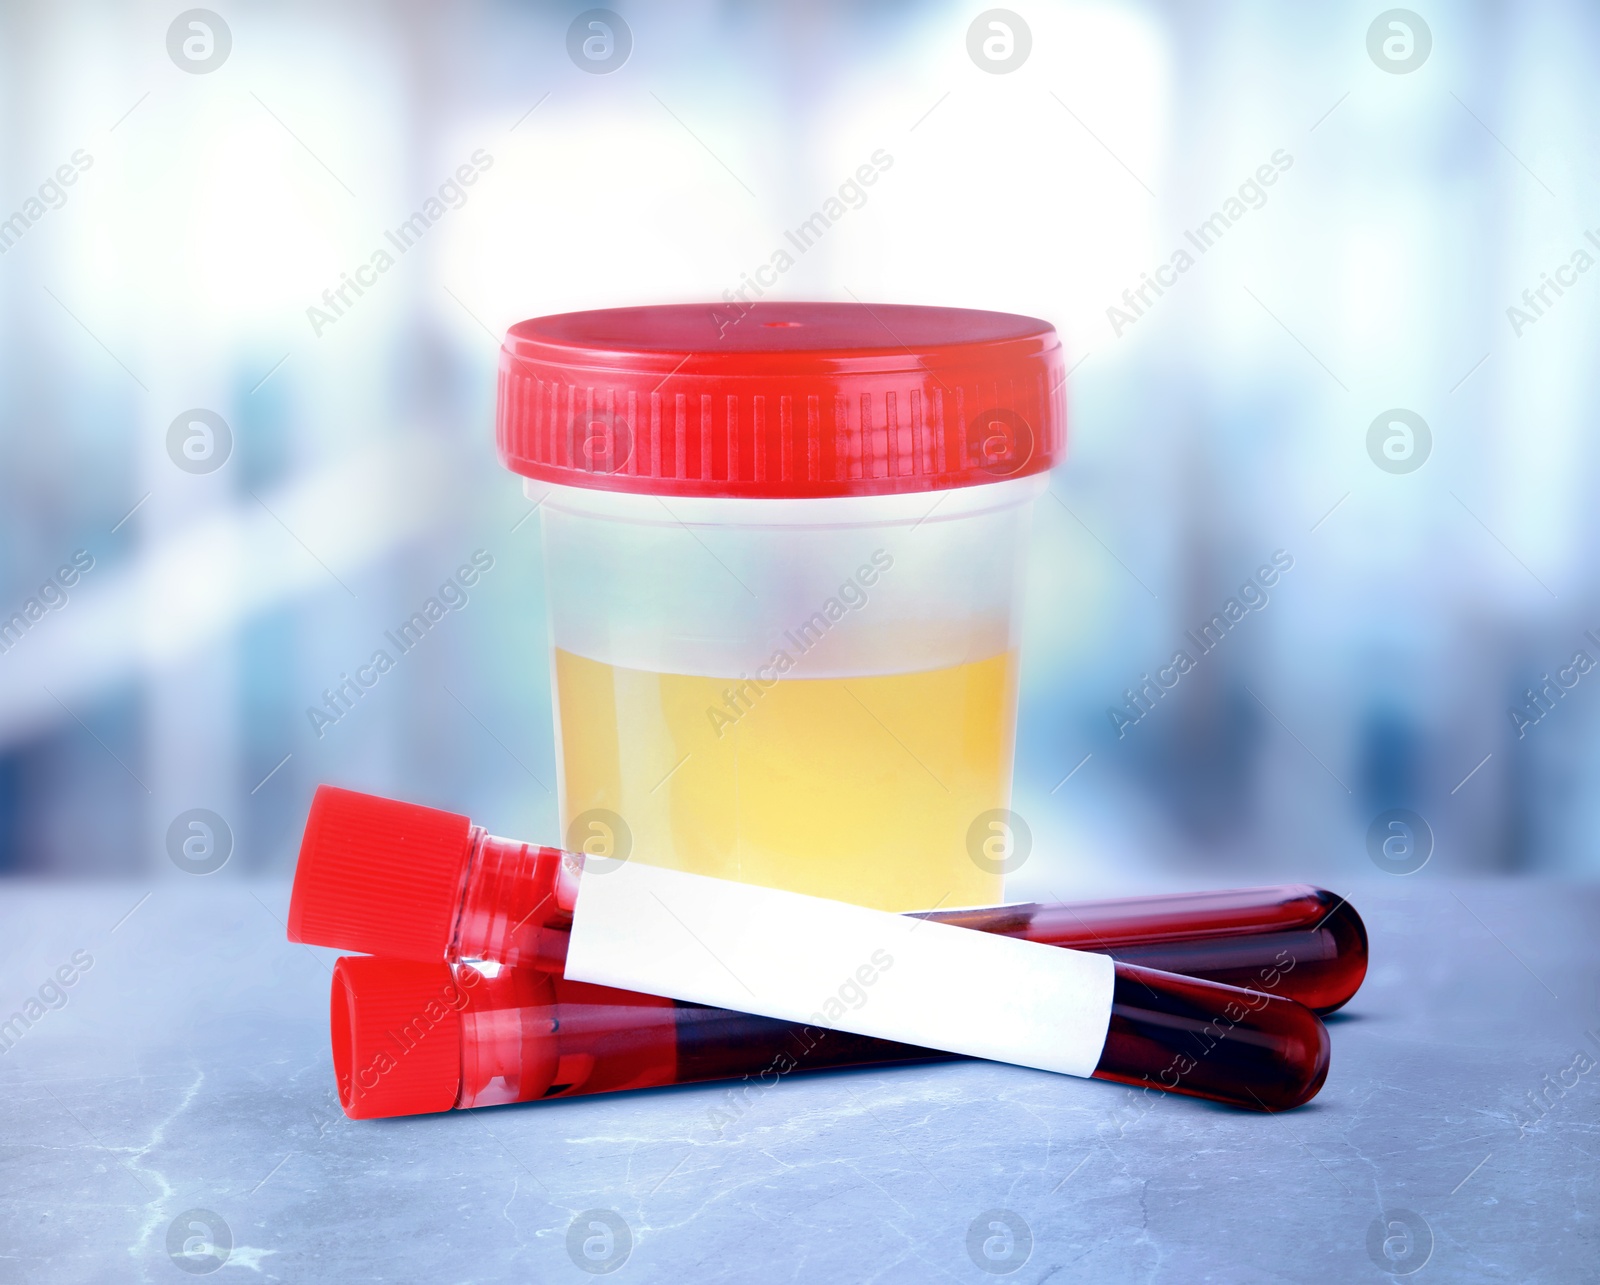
{"x": 178, "y": 1094}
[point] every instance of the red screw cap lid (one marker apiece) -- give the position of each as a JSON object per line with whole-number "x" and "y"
{"x": 396, "y": 1031}
{"x": 379, "y": 876}
{"x": 780, "y": 400}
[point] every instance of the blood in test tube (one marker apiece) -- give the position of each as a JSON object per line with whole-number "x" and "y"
{"x": 411, "y": 1038}
{"x": 1294, "y": 940}
{"x": 397, "y": 879}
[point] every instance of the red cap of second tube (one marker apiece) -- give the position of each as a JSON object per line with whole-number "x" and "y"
{"x": 396, "y": 1029}
{"x": 379, "y": 875}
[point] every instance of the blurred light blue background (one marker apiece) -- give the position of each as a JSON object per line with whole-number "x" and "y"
{"x": 209, "y": 211}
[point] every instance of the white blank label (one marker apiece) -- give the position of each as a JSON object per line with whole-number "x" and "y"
{"x": 837, "y": 966}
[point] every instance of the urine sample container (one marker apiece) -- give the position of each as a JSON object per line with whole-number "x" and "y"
{"x": 784, "y": 559}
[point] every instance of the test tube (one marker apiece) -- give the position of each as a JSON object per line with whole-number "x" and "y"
{"x": 412, "y": 1038}
{"x": 410, "y": 882}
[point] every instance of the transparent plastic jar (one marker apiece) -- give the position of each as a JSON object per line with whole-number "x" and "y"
{"x": 784, "y": 563}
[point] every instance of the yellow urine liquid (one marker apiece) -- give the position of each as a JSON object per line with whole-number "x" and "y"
{"x": 861, "y": 789}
